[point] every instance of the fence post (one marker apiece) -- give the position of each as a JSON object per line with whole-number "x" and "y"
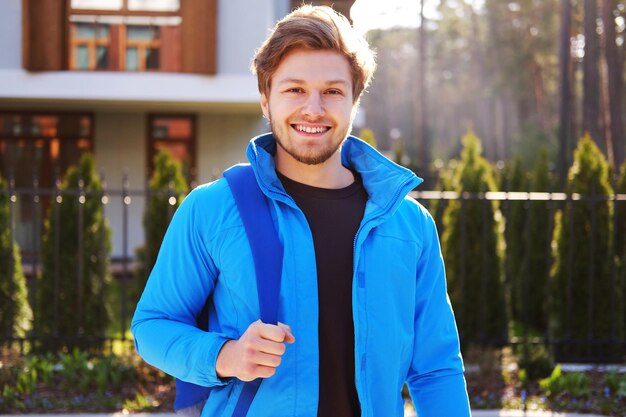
{"x": 80, "y": 266}
{"x": 12, "y": 200}
{"x": 484, "y": 266}
{"x": 126, "y": 200}
{"x": 570, "y": 261}
{"x": 590, "y": 284}
{"x": 58, "y": 199}
{"x": 102, "y": 254}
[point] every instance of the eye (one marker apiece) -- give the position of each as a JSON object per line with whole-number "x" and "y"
{"x": 294, "y": 90}
{"x": 334, "y": 91}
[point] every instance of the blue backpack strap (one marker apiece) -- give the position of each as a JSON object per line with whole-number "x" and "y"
{"x": 267, "y": 249}
{"x": 267, "y": 253}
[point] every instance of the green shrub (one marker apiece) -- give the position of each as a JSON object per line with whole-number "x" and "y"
{"x": 368, "y": 136}
{"x": 515, "y": 234}
{"x": 444, "y": 183}
{"x": 586, "y": 306}
{"x": 79, "y": 382}
{"x": 536, "y": 362}
{"x": 528, "y": 234}
{"x": 575, "y": 384}
{"x": 167, "y": 189}
{"x": 616, "y": 383}
{"x": 15, "y": 314}
{"x": 71, "y": 307}
{"x": 472, "y": 248}
{"x": 538, "y": 238}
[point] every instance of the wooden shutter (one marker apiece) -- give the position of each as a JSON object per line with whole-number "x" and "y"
{"x": 199, "y": 36}
{"x": 43, "y": 35}
{"x": 170, "y": 48}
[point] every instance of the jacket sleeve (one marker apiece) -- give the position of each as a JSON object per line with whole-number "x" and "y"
{"x": 435, "y": 378}
{"x": 164, "y": 323}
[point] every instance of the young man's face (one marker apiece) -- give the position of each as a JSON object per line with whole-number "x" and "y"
{"x": 310, "y": 105}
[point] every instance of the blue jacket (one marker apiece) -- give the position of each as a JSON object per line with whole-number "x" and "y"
{"x": 403, "y": 322}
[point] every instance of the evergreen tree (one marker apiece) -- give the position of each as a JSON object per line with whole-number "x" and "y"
{"x": 368, "y": 136}
{"x": 585, "y": 302}
{"x": 15, "y": 314}
{"x": 167, "y": 189}
{"x": 71, "y": 309}
{"x": 472, "y": 249}
{"x": 514, "y": 179}
{"x": 538, "y": 236}
{"x": 444, "y": 183}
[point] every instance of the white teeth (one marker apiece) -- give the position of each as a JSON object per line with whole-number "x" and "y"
{"x": 309, "y": 129}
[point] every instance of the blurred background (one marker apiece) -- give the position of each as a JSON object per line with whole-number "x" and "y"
{"x": 512, "y": 111}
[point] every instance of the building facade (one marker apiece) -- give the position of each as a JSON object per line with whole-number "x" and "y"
{"x": 124, "y": 79}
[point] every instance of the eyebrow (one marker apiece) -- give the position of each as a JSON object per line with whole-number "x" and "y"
{"x": 299, "y": 81}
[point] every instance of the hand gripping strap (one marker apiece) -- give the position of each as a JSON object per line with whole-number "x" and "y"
{"x": 267, "y": 252}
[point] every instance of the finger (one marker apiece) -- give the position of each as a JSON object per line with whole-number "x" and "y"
{"x": 289, "y": 338}
{"x": 268, "y": 346}
{"x": 268, "y": 360}
{"x": 265, "y": 371}
{"x": 271, "y": 332}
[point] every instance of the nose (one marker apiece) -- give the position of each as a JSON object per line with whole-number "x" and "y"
{"x": 314, "y": 106}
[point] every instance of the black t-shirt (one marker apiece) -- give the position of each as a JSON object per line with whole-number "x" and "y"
{"x": 334, "y": 216}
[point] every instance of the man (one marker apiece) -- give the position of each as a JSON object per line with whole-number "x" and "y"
{"x": 363, "y": 292}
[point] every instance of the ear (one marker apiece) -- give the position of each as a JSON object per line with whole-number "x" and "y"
{"x": 265, "y": 106}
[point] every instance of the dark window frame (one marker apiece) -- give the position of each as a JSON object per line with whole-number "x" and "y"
{"x": 191, "y": 143}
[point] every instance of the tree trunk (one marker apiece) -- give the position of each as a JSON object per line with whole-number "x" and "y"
{"x": 565, "y": 93}
{"x": 484, "y": 115}
{"x": 539, "y": 93}
{"x": 615, "y": 126}
{"x": 421, "y": 128}
{"x": 591, "y": 76}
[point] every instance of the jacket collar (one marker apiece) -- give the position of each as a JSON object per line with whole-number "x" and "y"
{"x": 386, "y": 182}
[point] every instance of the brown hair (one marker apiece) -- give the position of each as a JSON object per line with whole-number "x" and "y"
{"x": 315, "y": 27}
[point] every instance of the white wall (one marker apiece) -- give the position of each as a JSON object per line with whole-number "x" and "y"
{"x": 222, "y": 141}
{"x": 10, "y": 34}
{"x": 120, "y": 148}
{"x": 243, "y": 25}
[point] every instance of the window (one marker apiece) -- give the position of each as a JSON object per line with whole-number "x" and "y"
{"x": 120, "y": 35}
{"x": 176, "y": 135}
{"x": 90, "y": 46}
{"x": 36, "y": 148}
{"x": 142, "y": 48}
{"x": 125, "y": 35}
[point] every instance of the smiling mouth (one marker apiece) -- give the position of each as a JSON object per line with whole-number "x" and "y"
{"x": 310, "y": 129}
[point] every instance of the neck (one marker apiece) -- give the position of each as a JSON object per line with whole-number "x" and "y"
{"x": 330, "y": 174}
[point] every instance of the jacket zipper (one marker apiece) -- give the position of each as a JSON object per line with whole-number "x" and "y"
{"x": 360, "y": 369}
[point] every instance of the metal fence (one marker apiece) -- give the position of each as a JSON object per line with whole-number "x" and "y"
{"x": 33, "y": 204}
